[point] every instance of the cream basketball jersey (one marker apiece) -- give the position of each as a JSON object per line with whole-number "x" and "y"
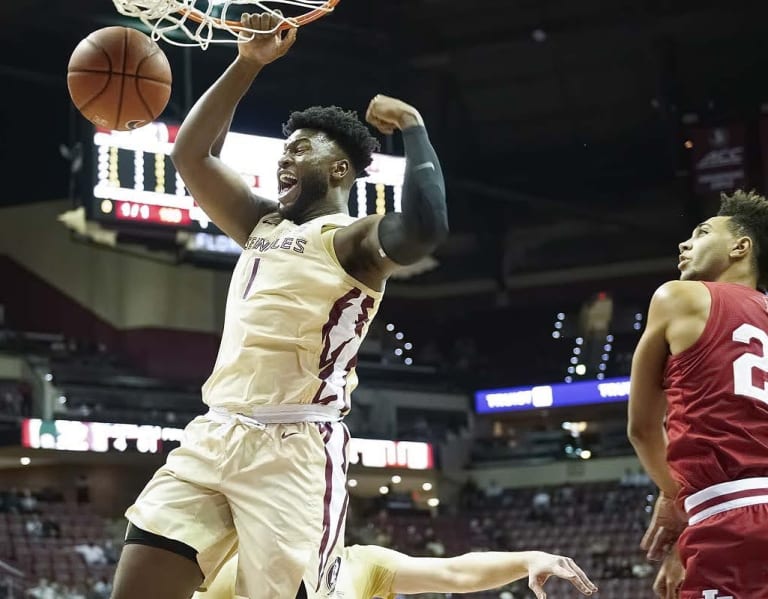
{"x": 294, "y": 320}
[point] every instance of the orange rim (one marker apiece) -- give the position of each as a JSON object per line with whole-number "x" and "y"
{"x": 308, "y": 17}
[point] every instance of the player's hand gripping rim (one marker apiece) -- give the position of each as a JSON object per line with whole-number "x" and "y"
{"x": 264, "y": 48}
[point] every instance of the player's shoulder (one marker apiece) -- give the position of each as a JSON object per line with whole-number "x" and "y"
{"x": 680, "y": 296}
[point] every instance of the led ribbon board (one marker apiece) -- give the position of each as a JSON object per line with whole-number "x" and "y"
{"x": 74, "y": 435}
{"x": 557, "y": 395}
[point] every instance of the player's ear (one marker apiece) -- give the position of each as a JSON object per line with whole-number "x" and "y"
{"x": 741, "y": 247}
{"x": 339, "y": 169}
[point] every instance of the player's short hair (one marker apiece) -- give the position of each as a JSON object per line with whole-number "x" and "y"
{"x": 343, "y": 127}
{"x": 749, "y": 216}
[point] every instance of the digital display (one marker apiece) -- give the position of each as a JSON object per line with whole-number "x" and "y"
{"x": 557, "y": 395}
{"x": 136, "y": 182}
{"x": 74, "y": 435}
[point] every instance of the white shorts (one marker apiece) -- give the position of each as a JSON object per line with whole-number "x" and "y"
{"x": 276, "y": 494}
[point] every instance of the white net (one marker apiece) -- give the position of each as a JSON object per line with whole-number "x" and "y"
{"x": 187, "y": 23}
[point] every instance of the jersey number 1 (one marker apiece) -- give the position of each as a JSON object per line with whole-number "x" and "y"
{"x": 254, "y": 270}
{"x": 743, "y": 365}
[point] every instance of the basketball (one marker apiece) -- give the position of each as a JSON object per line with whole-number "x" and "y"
{"x": 118, "y": 78}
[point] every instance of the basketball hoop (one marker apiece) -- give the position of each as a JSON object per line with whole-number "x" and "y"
{"x": 167, "y": 18}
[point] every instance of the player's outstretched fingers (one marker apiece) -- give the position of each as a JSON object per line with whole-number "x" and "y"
{"x": 562, "y": 567}
{"x": 578, "y": 578}
{"x": 565, "y": 569}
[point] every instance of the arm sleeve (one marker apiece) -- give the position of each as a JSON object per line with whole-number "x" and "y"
{"x": 408, "y": 236}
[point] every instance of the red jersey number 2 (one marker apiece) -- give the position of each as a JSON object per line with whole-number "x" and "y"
{"x": 743, "y": 366}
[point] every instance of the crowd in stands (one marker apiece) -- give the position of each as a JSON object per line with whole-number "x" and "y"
{"x": 65, "y": 551}
{"x": 50, "y": 549}
{"x": 15, "y": 400}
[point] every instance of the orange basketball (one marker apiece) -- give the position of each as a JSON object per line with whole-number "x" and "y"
{"x": 119, "y": 78}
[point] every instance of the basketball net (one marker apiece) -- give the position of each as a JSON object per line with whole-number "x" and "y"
{"x": 167, "y": 18}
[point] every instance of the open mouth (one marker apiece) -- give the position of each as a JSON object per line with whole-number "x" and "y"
{"x": 286, "y": 183}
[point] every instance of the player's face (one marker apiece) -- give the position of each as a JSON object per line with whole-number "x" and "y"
{"x": 303, "y": 171}
{"x": 704, "y": 256}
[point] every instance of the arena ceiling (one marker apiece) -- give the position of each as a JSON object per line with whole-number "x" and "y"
{"x": 559, "y": 122}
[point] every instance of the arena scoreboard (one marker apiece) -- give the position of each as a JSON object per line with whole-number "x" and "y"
{"x": 135, "y": 183}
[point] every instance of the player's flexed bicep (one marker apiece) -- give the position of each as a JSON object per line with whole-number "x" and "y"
{"x": 218, "y": 189}
{"x": 374, "y": 247}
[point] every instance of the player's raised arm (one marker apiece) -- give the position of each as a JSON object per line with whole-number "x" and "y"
{"x": 378, "y": 245}
{"x": 480, "y": 571}
{"x": 217, "y": 188}
{"x": 408, "y": 236}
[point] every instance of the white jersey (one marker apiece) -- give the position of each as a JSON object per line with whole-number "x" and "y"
{"x": 294, "y": 320}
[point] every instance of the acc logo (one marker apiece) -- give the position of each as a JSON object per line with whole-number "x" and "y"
{"x": 332, "y": 577}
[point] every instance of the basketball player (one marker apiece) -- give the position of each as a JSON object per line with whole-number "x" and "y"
{"x": 368, "y": 571}
{"x": 703, "y": 362}
{"x": 265, "y": 469}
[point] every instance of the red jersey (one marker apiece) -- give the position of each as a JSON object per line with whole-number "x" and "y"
{"x": 717, "y": 421}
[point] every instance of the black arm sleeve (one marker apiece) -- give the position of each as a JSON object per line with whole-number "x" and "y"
{"x": 408, "y": 236}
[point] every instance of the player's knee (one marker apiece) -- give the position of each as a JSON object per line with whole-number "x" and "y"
{"x": 147, "y": 571}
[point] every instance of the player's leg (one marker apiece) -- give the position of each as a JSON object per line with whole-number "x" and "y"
{"x": 280, "y": 496}
{"x": 181, "y": 527}
{"x": 153, "y": 567}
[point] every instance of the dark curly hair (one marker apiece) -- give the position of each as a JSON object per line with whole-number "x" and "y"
{"x": 749, "y": 216}
{"x": 343, "y": 127}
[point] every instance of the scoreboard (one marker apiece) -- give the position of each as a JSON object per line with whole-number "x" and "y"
{"x": 135, "y": 182}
